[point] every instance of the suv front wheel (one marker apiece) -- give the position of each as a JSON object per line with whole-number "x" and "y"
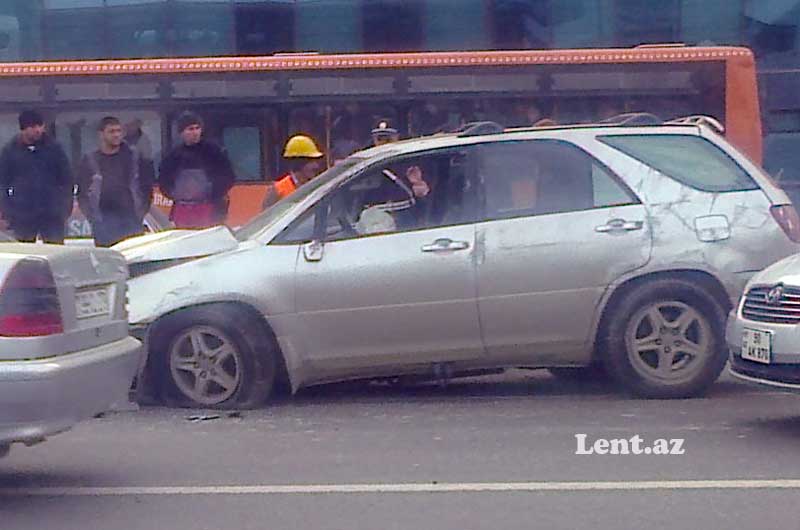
{"x": 665, "y": 339}
{"x": 213, "y": 356}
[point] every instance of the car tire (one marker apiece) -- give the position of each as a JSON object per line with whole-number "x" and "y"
{"x": 665, "y": 339}
{"x": 216, "y": 356}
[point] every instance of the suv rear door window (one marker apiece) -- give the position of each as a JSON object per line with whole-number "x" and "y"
{"x": 691, "y": 160}
{"x": 539, "y": 177}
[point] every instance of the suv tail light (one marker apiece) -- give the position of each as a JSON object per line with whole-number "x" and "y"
{"x": 786, "y": 216}
{"x": 29, "y": 304}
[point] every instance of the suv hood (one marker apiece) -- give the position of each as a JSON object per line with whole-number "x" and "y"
{"x": 177, "y": 244}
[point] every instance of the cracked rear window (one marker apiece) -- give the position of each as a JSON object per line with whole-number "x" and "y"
{"x": 691, "y": 160}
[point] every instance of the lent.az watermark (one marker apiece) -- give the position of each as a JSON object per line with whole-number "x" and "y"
{"x": 635, "y": 445}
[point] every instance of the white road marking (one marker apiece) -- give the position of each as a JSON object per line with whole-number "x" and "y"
{"x": 454, "y": 487}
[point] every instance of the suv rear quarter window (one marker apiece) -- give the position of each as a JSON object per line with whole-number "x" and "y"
{"x": 691, "y": 160}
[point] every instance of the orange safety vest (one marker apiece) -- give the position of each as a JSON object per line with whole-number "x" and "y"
{"x": 285, "y": 186}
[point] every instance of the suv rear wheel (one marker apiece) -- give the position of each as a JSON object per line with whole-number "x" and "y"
{"x": 665, "y": 339}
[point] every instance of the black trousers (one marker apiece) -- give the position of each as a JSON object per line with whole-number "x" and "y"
{"x": 50, "y": 229}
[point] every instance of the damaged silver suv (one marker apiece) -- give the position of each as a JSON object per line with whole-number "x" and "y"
{"x": 560, "y": 248}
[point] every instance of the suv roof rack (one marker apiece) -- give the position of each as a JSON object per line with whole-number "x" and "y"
{"x": 633, "y": 118}
{"x": 479, "y": 128}
{"x": 699, "y": 119}
{"x": 629, "y": 119}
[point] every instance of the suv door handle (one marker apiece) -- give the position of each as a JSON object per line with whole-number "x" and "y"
{"x": 445, "y": 244}
{"x": 619, "y": 225}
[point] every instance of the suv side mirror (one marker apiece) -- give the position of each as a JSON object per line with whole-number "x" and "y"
{"x": 313, "y": 250}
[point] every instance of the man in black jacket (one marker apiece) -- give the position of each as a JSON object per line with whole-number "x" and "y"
{"x": 36, "y": 183}
{"x": 114, "y": 186}
{"x": 197, "y": 176}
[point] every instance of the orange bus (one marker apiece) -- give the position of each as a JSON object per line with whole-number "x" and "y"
{"x": 251, "y": 105}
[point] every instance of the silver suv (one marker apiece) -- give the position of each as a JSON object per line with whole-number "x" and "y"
{"x": 562, "y": 248}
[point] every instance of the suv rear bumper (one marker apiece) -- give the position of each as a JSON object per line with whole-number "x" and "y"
{"x": 39, "y": 398}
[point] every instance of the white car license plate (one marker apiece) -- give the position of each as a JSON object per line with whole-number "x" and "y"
{"x": 92, "y": 302}
{"x": 757, "y": 346}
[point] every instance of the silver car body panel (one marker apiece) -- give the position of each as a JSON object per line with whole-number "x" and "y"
{"x": 74, "y": 270}
{"x": 542, "y": 278}
{"x": 345, "y": 316}
{"x": 40, "y": 398}
{"x": 48, "y": 383}
{"x": 177, "y": 244}
{"x": 402, "y": 305}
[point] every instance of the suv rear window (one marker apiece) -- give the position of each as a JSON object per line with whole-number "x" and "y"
{"x": 691, "y": 160}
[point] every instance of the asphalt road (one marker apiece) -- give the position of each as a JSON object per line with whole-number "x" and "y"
{"x": 494, "y": 453}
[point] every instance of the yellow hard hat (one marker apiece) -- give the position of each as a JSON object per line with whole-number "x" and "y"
{"x": 301, "y": 146}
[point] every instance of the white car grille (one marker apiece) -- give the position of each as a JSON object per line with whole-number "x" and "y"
{"x": 777, "y": 304}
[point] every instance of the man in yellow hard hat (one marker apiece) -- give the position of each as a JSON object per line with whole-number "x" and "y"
{"x": 305, "y": 162}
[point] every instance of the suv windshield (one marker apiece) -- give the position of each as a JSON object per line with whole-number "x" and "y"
{"x": 277, "y": 210}
{"x": 691, "y": 160}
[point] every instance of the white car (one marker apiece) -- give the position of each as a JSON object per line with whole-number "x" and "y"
{"x": 763, "y": 333}
{"x": 65, "y": 351}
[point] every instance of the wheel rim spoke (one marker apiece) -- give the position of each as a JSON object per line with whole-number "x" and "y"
{"x": 198, "y": 343}
{"x": 665, "y": 361}
{"x": 201, "y": 386}
{"x": 222, "y": 354}
{"x": 225, "y": 380}
{"x": 205, "y": 365}
{"x": 686, "y": 319}
{"x": 186, "y": 365}
{"x": 692, "y": 349}
{"x": 657, "y": 320}
{"x": 649, "y": 343}
{"x": 676, "y": 342}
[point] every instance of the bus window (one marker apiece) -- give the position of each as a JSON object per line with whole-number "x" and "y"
{"x": 202, "y": 28}
{"x": 264, "y": 28}
{"x": 455, "y": 25}
{"x": 247, "y": 134}
{"x": 244, "y": 149}
{"x": 137, "y": 30}
{"x": 9, "y": 38}
{"x": 435, "y": 116}
{"x": 392, "y": 25}
{"x": 521, "y": 25}
{"x": 340, "y": 129}
{"x": 332, "y": 26}
{"x": 9, "y": 128}
{"x": 352, "y": 123}
{"x": 77, "y": 132}
{"x": 73, "y": 33}
{"x": 781, "y": 156}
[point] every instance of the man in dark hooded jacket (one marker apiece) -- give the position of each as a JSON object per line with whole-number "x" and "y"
{"x": 36, "y": 183}
{"x": 196, "y": 175}
{"x": 115, "y": 186}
